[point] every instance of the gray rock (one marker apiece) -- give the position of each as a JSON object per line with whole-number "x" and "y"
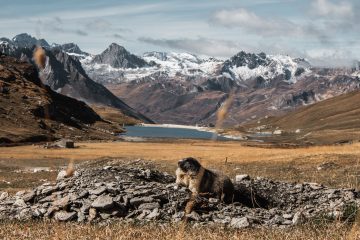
{"x": 103, "y": 202}
{"x": 154, "y": 214}
{"x": 105, "y": 216}
{"x": 29, "y": 196}
{"x": 298, "y": 218}
{"x": 48, "y": 190}
{"x": 3, "y": 196}
{"x": 62, "y": 203}
{"x": 20, "y": 203}
{"x": 149, "y": 206}
{"x": 98, "y": 191}
{"x": 287, "y": 216}
{"x": 240, "y": 223}
{"x": 61, "y": 175}
{"x": 136, "y": 201}
{"x": 92, "y": 214}
{"x": 193, "y": 216}
{"x": 39, "y": 212}
{"x": 25, "y": 214}
{"x": 241, "y": 177}
{"x": 63, "y": 216}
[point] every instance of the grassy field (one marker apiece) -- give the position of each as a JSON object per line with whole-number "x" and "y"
{"x": 339, "y": 168}
{"x": 49, "y": 230}
{"x": 301, "y": 164}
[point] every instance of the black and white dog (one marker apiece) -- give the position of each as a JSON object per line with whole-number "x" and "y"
{"x": 200, "y": 180}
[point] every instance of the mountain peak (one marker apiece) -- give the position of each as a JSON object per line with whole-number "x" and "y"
{"x": 116, "y": 46}
{"x": 25, "y": 40}
{"x": 70, "y": 48}
{"x": 118, "y": 57}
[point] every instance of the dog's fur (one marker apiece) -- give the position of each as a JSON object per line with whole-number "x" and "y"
{"x": 200, "y": 180}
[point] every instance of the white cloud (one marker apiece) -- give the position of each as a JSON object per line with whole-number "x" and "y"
{"x": 327, "y": 8}
{"x": 264, "y": 26}
{"x": 331, "y": 57}
{"x": 202, "y": 46}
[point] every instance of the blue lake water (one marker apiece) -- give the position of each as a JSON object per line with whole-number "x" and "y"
{"x": 168, "y": 132}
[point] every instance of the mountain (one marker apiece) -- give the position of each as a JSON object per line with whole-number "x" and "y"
{"x": 64, "y": 74}
{"x": 183, "y": 88}
{"x": 71, "y": 49}
{"x": 33, "y": 112}
{"x": 24, "y": 40}
{"x": 244, "y": 66}
{"x": 334, "y": 120}
{"x": 118, "y": 57}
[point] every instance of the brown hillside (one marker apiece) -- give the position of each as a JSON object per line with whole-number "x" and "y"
{"x": 30, "y": 111}
{"x": 334, "y": 120}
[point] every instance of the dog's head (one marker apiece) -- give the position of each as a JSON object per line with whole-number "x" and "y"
{"x": 189, "y": 165}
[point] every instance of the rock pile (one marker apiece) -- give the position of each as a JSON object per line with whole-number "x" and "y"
{"x": 135, "y": 192}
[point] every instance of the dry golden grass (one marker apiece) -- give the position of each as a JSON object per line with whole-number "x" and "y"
{"x": 282, "y": 164}
{"x": 48, "y": 230}
{"x": 207, "y": 151}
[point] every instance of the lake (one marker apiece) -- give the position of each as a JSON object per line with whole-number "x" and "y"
{"x": 169, "y": 132}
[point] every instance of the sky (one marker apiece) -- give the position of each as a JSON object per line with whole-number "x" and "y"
{"x": 326, "y": 32}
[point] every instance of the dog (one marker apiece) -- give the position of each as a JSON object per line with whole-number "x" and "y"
{"x": 201, "y": 181}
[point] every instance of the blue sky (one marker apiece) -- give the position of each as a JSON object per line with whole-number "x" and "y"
{"x": 324, "y": 31}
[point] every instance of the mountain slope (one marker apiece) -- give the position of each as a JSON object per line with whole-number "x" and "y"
{"x": 30, "y": 111}
{"x": 333, "y": 120}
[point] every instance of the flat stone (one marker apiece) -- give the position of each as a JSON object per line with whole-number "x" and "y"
{"x": 20, "y": 203}
{"x": 61, "y": 175}
{"x": 83, "y": 194}
{"x": 105, "y": 216}
{"x": 62, "y": 202}
{"x": 241, "y": 177}
{"x": 98, "y": 191}
{"x": 136, "y": 201}
{"x": 25, "y": 214}
{"x": 287, "y": 216}
{"x": 3, "y": 195}
{"x": 154, "y": 214}
{"x": 64, "y": 216}
{"x": 92, "y": 214}
{"x": 240, "y": 223}
{"x": 48, "y": 190}
{"x": 29, "y": 196}
{"x": 298, "y": 218}
{"x": 149, "y": 206}
{"x": 103, "y": 202}
{"x": 193, "y": 216}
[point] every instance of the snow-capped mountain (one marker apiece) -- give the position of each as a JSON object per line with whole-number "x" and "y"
{"x": 244, "y": 66}
{"x": 115, "y": 66}
{"x": 183, "y": 63}
{"x": 184, "y": 88}
{"x": 71, "y": 49}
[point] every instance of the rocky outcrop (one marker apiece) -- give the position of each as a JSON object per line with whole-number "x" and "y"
{"x": 132, "y": 191}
